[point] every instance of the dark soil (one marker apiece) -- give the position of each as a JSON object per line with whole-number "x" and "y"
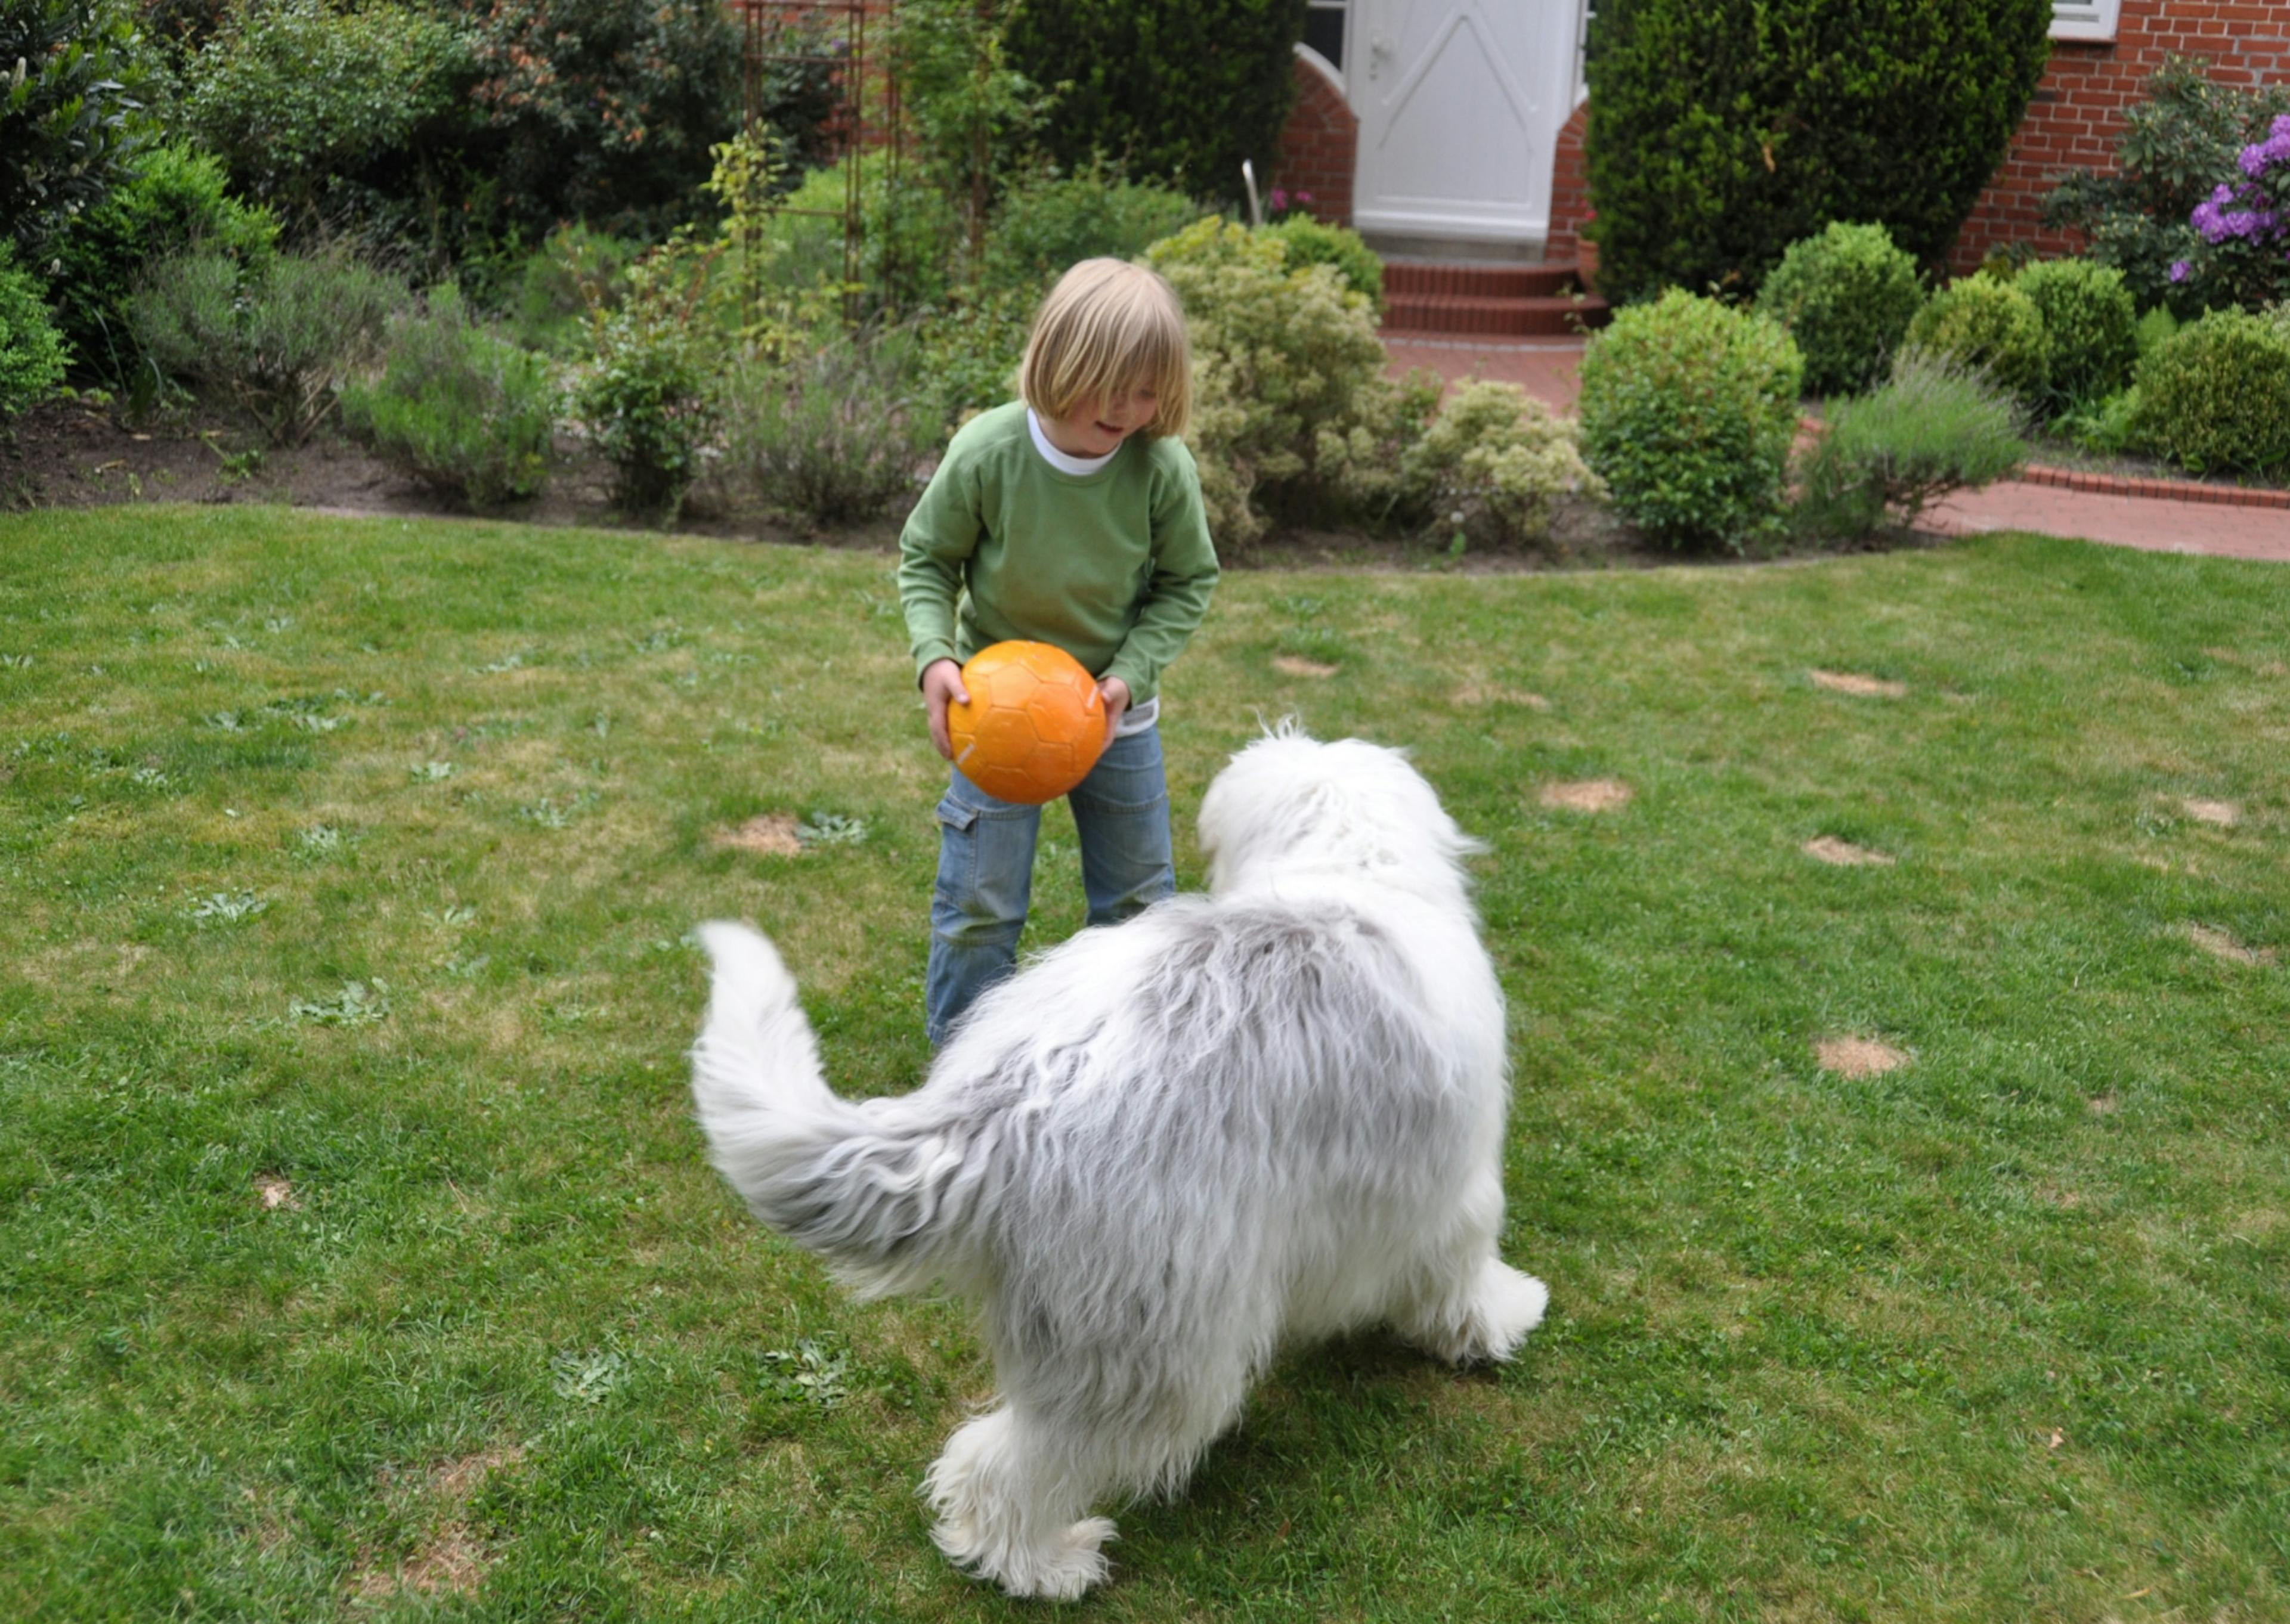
{"x": 70, "y": 454}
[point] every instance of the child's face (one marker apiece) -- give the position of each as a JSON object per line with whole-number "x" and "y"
{"x": 1096, "y": 428}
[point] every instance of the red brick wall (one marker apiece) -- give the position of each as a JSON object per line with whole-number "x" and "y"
{"x": 1319, "y": 146}
{"x": 1570, "y": 187}
{"x": 2078, "y": 112}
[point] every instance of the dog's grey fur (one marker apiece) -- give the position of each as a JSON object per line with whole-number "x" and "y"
{"x": 1268, "y": 1114}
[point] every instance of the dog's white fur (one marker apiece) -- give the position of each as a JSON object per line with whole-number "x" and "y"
{"x": 1272, "y": 1113}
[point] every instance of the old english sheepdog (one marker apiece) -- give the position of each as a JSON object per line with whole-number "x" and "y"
{"x": 1162, "y": 1150}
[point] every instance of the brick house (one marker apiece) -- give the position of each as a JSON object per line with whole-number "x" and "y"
{"x": 1401, "y": 102}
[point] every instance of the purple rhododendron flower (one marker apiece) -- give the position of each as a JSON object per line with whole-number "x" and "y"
{"x": 2180, "y": 268}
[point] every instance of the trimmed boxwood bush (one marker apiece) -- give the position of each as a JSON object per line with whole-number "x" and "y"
{"x": 458, "y": 406}
{"x": 2089, "y": 323}
{"x": 1135, "y": 83}
{"x": 1722, "y": 131}
{"x": 2214, "y": 397}
{"x": 1846, "y": 297}
{"x": 1981, "y": 321}
{"x": 1687, "y": 410}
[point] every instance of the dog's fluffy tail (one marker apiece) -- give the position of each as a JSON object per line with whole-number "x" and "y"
{"x": 868, "y": 1185}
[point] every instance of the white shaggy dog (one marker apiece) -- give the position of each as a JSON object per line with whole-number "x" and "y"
{"x": 1268, "y": 1114}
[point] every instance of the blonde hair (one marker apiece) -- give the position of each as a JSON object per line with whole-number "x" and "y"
{"x": 1110, "y": 326}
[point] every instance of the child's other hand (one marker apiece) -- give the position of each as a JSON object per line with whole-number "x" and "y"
{"x": 942, "y": 687}
{"x": 1115, "y": 692}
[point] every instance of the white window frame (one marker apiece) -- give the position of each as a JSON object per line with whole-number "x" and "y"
{"x": 2086, "y": 20}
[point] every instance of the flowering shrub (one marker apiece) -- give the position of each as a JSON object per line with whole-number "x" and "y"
{"x": 1493, "y": 465}
{"x": 2244, "y": 224}
{"x": 1688, "y": 407}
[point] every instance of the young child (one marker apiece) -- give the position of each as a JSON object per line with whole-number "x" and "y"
{"x": 1072, "y": 516}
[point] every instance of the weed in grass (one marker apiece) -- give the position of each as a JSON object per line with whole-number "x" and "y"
{"x": 815, "y": 1371}
{"x": 358, "y": 1004}
{"x": 229, "y": 906}
{"x": 588, "y": 1378}
{"x": 830, "y": 829}
{"x": 430, "y": 771}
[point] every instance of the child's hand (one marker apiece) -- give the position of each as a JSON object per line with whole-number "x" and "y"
{"x": 1115, "y": 692}
{"x": 942, "y": 686}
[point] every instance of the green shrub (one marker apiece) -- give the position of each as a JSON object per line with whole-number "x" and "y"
{"x": 71, "y": 81}
{"x": 177, "y": 198}
{"x": 458, "y": 406}
{"x": 836, "y": 437}
{"x": 2105, "y": 426}
{"x": 1176, "y": 90}
{"x": 1980, "y": 321}
{"x": 653, "y": 399}
{"x": 1934, "y": 428}
{"x": 1846, "y": 297}
{"x": 2155, "y": 326}
{"x": 1294, "y": 418}
{"x": 2216, "y": 398}
{"x": 1048, "y": 222}
{"x": 971, "y": 348}
{"x": 1310, "y": 243}
{"x": 325, "y": 110}
{"x": 573, "y": 273}
{"x": 1722, "y": 131}
{"x": 276, "y": 339}
{"x": 31, "y": 351}
{"x": 1687, "y": 411}
{"x": 2089, "y": 325}
{"x": 1493, "y": 465}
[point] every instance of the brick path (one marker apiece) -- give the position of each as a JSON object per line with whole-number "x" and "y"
{"x": 1546, "y": 369}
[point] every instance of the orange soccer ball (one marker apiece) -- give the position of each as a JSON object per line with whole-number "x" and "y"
{"x": 1035, "y": 724}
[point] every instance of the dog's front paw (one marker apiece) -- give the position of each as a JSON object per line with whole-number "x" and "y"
{"x": 1058, "y": 1569}
{"x": 1510, "y": 1305}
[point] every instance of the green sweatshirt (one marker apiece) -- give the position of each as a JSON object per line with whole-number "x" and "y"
{"x": 1114, "y": 567}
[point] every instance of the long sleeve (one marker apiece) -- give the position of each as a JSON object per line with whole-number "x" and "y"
{"x": 939, "y": 538}
{"x": 1177, "y": 594}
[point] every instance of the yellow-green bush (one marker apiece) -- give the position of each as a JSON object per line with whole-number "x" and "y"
{"x": 1494, "y": 464}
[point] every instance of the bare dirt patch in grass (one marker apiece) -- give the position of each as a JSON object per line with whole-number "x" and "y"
{"x": 1858, "y": 1056}
{"x": 1843, "y": 853}
{"x": 2221, "y": 814}
{"x": 2104, "y": 1105}
{"x": 1589, "y": 794}
{"x": 1296, "y": 665}
{"x": 771, "y": 834}
{"x": 1855, "y": 683}
{"x": 2223, "y": 944}
{"x": 452, "y": 1560}
{"x": 275, "y": 1192}
{"x": 1476, "y": 694}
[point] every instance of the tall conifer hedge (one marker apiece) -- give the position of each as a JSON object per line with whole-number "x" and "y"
{"x": 1722, "y": 131}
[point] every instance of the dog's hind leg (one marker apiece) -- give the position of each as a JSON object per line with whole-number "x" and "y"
{"x": 1463, "y": 1302}
{"x": 1010, "y": 1508}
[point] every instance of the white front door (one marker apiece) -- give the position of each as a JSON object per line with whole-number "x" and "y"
{"x": 1460, "y": 103}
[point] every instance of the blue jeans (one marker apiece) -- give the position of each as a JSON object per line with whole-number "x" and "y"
{"x": 986, "y": 869}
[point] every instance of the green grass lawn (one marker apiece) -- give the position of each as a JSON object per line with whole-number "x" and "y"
{"x": 358, "y": 1257}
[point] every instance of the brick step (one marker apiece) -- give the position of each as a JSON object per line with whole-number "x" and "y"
{"x": 1411, "y": 278}
{"x": 1463, "y": 315}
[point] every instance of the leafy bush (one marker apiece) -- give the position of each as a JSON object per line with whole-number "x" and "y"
{"x": 176, "y": 198}
{"x": 970, "y": 349}
{"x": 1934, "y": 428}
{"x": 653, "y": 399}
{"x": 71, "y": 80}
{"x": 458, "y": 406}
{"x": 329, "y": 111}
{"x": 1135, "y": 83}
{"x": 2215, "y": 396}
{"x": 1294, "y": 418}
{"x": 969, "y": 109}
{"x": 1722, "y": 131}
{"x": 1980, "y": 321}
{"x": 2105, "y": 426}
{"x": 1687, "y": 411}
{"x": 31, "y": 351}
{"x": 1493, "y": 465}
{"x": 1048, "y": 222}
{"x": 836, "y": 437}
{"x": 575, "y": 272}
{"x": 2178, "y": 146}
{"x": 2090, "y": 326}
{"x": 2244, "y": 224}
{"x": 1310, "y": 243}
{"x": 276, "y": 339}
{"x": 1846, "y": 297}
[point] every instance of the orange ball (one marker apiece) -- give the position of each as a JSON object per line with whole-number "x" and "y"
{"x": 1035, "y": 724}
